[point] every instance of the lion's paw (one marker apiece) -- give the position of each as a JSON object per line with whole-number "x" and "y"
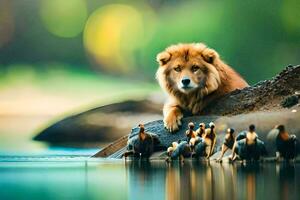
{"x": 172, "y": 122}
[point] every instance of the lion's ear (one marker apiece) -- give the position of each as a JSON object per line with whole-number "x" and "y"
{"x": 163, "y": 58}
{"x": 209, "y": 55}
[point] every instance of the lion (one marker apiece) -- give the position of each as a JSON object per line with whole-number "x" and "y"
{"x": 193, "y": 75}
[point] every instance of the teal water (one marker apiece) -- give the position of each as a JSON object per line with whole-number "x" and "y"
{"x": 80, "y": 177}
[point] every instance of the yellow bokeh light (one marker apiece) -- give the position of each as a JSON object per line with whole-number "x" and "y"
{"x": 112, "y": 34}
{"x": 64, "y": 18}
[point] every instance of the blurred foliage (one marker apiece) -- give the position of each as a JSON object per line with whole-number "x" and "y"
{"x": 63, "y": 18}
{"x": 257, "y": 38}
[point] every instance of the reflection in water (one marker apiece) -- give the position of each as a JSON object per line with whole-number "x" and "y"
{"x": 145, "y": 180}
{"x": 195, "y": 180}
{"x": 154, "y": 180}
{"x": 287, "y": 182}
{"x": 249, "y": 175}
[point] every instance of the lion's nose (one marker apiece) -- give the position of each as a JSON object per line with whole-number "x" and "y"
{"x": 185, "y": 81}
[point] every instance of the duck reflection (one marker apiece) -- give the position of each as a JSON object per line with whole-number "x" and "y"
{"x": 204, "y": 180}
{"x": 225, "y": 185}
{"x": 195, "y": 180}
{"x": 249, "y": 180}
{"x": 145, "y": 179}
{"x": 287, "y": 181}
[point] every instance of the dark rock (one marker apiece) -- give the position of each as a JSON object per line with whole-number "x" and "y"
{"x": 277, "y": 88}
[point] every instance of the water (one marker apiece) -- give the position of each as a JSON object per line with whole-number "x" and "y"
{"x": 80, "y": 177}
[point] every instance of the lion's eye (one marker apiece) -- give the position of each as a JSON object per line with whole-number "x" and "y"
{"x": 177, "y": 69}
{"x": 195, "y": 68}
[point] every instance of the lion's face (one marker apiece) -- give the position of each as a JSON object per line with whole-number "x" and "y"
{"x": 185, "y": 68}
{"x": 187, "y": 74}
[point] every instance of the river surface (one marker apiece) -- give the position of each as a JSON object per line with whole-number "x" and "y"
{"x": 80, "y": 177}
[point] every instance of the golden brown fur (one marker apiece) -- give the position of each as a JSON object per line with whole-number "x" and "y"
{"x": 208, "y": 76}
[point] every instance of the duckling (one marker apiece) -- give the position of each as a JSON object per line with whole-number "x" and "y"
{"x": 199, "y": 149}
{"x": 210, "y": 139}
{"x": 201, "y": 130}
{"x": 141, "y": 145}
{"x": 192, "y": 136}
{"x": 247, "y": 145}
{"x": 285, "y": 144}
{"x": 190, "y": 133}
{"x": 228, "y": 142}
{"x": 179, "y": 150}
{"x": 198, "y": 137}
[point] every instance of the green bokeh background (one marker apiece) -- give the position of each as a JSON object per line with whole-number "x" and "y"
{"x": 257, "y": 38}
